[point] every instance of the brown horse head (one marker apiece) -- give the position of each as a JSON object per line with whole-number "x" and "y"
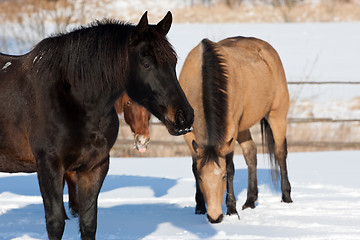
{"x": 137, "y": 117}
{"x": 212, "y": 177}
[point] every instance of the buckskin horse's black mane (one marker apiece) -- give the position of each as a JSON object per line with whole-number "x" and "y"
{"x": 215, "y": 101}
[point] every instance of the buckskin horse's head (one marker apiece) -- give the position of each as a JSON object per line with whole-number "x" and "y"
{"x": 211, "y": 176}
{"x": 152, "y": 81}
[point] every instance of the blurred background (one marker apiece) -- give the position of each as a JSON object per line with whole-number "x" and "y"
{"x": 318, "y": 41}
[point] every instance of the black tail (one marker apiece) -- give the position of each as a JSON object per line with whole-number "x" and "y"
{"x": 268, "y": 139}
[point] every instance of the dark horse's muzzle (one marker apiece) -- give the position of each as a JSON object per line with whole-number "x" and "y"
{"x": 183, "y": 122}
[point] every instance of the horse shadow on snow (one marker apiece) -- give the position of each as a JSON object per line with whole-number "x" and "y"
{"x": 125, "y": 221}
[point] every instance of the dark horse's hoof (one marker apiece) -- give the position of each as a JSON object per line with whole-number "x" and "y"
{"x": 249, "y": 204}
{"x": 231, "y": 211}
{"x": 200, "y": 210}
{"x": 286, "y": 199}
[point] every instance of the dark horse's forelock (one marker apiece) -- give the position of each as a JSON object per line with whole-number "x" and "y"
{"x": 163, "y": 51}
{"x": 214, "y": 84}
{"x": 82, "y": 57}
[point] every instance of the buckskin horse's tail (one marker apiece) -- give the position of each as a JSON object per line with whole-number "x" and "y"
{"x": 268, "y": 140}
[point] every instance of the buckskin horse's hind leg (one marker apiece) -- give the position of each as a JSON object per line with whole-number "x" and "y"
{"x": 278, "y": 127}
{"x": 50, "y": 178}
{"x": 230, "y": 197}
{"x": 199, "y": 198}
{"x": 249, "y": 151}
{"x": 281, "y": 155}
{"x": 89, "y": 184}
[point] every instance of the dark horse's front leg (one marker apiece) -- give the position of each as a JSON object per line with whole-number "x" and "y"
{"x": 89, "y": 185}
{"x": 71, "y": 180}
{"x": 230, "y": 197}
{"x": 50, "y": 177}
{"x": 199, "y": 198}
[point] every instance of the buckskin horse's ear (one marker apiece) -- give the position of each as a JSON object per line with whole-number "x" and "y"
{"x": 140, "y": 28}
{"x": 164, "y": 25}
{"x": 225, "y": 148}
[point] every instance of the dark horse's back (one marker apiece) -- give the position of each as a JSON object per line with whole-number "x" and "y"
{"x": 15, "y": 106}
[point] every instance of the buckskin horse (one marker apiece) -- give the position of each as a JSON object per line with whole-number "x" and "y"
{"x": 57, "y": 107}
{"x": 241, "y": 81}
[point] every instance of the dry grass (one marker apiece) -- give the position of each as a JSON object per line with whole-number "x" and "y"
{"x": 81, "y": 11}
{"x": 324, "y": 11}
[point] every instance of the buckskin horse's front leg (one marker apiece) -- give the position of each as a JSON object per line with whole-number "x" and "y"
{"x": 50, "y": 176}
{"x": 199, "y": 198}
{"x": 89, "y": 185}
{"x": 230, "y": 197}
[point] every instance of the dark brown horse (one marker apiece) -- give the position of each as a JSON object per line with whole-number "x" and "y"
{"x": 232, "y": 85}
{"x": 137, "y": 117}
{"x": 57, "y": 107}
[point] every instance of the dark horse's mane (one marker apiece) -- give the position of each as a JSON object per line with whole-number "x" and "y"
{"x": 215, "y": 101}
{"x": 98, "y": 51}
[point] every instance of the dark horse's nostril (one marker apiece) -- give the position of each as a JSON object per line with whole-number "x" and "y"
{"x": 180, "y": 119}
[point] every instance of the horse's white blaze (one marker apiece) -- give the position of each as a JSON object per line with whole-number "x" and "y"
{"x": 217, "y": 171}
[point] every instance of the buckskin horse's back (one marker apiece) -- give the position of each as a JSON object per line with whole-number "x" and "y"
{"x": 15, "y": 101}
{"x": 258, "y": 68}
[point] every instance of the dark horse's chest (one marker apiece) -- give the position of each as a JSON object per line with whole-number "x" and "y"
{"x": 78, "y": 134}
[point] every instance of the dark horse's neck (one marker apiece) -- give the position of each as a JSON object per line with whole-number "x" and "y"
{"x": 91, "y": 62}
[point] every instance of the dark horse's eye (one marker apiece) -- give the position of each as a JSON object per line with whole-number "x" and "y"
{"x": 146, "y": 65}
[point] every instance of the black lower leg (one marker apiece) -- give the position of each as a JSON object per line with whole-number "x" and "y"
{"x": 230, "y": 197}
{"x": 199, "y": 198}
{"x": 281, "y": 155}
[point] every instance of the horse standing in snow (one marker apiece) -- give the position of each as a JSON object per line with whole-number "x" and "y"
{"x": 232, "y": 85}
{"x": 57, "y": 107}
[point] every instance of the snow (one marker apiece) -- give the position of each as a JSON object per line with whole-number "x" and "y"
{"x": 153, "y": 198}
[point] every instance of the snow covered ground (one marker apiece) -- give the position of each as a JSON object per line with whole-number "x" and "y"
{"x": 153, "y": 198}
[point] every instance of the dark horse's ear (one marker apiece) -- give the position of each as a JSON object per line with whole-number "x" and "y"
{"x": 195, "y": 146}
{"x": 164, "y": 25}
{"x": 141, "y": 28}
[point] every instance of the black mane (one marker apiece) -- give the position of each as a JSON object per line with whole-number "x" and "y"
{"x": 215, "y": 101}
{"x": 89, "y": 57}
{"x": 94, "y": 56}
